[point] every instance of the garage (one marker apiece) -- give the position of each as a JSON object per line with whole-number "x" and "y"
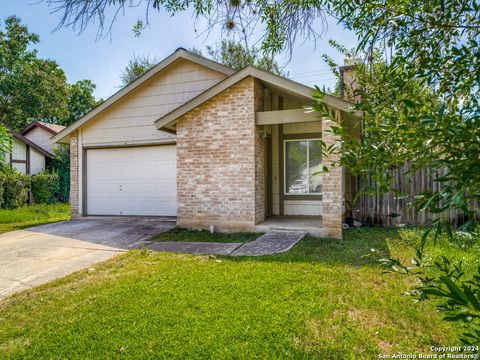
{"x": 131, "y": 181}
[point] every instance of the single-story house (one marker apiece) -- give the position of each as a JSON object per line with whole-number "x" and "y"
{"x": 194, "y": 139}
{"x": 42, "y": 133}
{"x": 32, "y": 149}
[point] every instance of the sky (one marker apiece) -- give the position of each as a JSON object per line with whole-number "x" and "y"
{"x": 82, "y": 56}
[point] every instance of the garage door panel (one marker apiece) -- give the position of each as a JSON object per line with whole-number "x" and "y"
{"x": 132, "y": 181}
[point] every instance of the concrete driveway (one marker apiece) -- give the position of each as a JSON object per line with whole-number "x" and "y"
{"x": 43, "y": 253}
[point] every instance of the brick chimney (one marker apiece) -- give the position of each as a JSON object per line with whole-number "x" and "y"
{"x": 348, "y": 72}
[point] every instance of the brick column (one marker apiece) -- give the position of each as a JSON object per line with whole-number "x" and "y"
{"x": 260, "y": 163}
{"x": 333, "y": 183}
{"x": 74, "y": 201}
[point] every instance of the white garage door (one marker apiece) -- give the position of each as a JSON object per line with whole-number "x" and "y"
{"x": 132, "y": 181}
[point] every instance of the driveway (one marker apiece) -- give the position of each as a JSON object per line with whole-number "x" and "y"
{"x": 36, "y": 255}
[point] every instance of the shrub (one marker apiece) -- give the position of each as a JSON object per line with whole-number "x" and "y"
{"x": 1, "y": 190}
{"x": 45, "y": 188}
{"x": 16, "y": 187}
{"x": 61, "y": 165}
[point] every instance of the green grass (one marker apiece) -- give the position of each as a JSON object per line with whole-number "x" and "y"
{"x": 321, "y": 300}
{"x": 32, "y": 215}
{"x": 181, "y": 234}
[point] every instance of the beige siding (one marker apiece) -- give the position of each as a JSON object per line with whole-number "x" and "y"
{"x": 19, "y": 150}
{"x": 37, "y": 162}
{"x": 303, "y": 128}
{"x": 41, "y": 137}
{"x": 302, "y": 207}
{"x": 21, "y": 167}
{"x": 132, "y": 118}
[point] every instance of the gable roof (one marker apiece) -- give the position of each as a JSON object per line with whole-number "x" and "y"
{"x": 167, "y": 121}
{"x": 54, "y": 129}
{"x": 31, "y": 144}
{"x": 180, "y": 53}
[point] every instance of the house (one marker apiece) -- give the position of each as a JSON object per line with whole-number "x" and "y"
{"x": 194, "y": 139}
{"x": 41, "y": 133}
{"x": 32, "y": 148}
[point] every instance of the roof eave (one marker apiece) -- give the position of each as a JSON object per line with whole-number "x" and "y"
{"x": 178, "y": 54}
{"x": 168, "y": 119}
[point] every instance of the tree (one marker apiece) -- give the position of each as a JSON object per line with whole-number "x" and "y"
{"x": 281, "y": 23}
{"x": 80, "y": 101}
{"x": 137, "y": 66}
{"x": 30, "y": 88}
{"x": 236, "y": 56}
{"x": 36, "y": 89}
{"x": 228, "y": 52}
{"x": 421, "y": 107}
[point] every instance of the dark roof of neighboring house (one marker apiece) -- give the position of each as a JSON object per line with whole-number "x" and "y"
{"x": 54, "y": 129}
{"x": 31, "y": 144}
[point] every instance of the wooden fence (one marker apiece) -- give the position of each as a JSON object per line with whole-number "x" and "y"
{"x": 380, "y": 209}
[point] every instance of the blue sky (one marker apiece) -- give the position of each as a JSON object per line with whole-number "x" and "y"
{"x": 81, "y": 56}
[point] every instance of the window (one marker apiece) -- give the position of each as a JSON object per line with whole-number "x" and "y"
{"x": 303, "y": 165}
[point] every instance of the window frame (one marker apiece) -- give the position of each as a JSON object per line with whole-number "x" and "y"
{"x": 308, "y": 195}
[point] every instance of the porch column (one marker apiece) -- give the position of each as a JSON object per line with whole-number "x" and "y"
{"x": 332, "y": 185}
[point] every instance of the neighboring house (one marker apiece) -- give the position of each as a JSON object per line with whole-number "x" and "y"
{"x": 41, "y": 133}
{"x": 32, "y": 148}
{"x": 212, "y": 146}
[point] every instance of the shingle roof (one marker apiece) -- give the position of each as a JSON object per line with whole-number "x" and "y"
{"x": 53, "y": 128}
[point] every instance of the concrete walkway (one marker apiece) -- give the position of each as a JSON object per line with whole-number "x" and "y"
{"x": 43, "y": 253}
{"x": 195, "y": 247}
{"x": 273, "y": 242}
{"x": 270, "y": 243}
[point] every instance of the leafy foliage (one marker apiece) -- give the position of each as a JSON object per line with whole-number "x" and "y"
{"x": 137, "y": 66}
{"x": 236, "y": 56}
{"x": 80, "y": 101}
{"x": 16, "y": 187}
{"x": 61, "y": 165}
{"x": 45, "y": 187}
{"x": 419, "y": 84}
{"x": 30, "y": 88}
{"x": 443, "y": 279}
{"x": 5, "y": 144}
{"x": 281, "y": 22}
{"x": 35, "y": 89}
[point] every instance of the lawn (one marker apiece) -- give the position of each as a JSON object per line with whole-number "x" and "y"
{"x": 321, "y": 300}
{"x": 180, "y": 234}
{"x": 32, "y": 215}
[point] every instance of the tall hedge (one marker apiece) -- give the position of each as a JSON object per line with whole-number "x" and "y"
{"x": 61, "y": 165}
{"x": 1, "y": 190}
{"x": 45, "y": 187}
{"x": 16, "y": 187}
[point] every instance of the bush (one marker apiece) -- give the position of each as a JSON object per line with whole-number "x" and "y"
{"x": 61, "y": 165}
{"x": 1, "y": 190}
{"x": 45, "y": 188}
{"x": 16, "y": 187}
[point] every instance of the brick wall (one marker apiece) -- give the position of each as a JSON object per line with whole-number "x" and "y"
{"x": 333, "y": 180}
{"x": 74, "y": 200}
{"x": 216, "y": 162}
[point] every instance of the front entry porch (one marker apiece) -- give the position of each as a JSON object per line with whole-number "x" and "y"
{"x": 311, "y": 225}
{"x": 302, "y": 190}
